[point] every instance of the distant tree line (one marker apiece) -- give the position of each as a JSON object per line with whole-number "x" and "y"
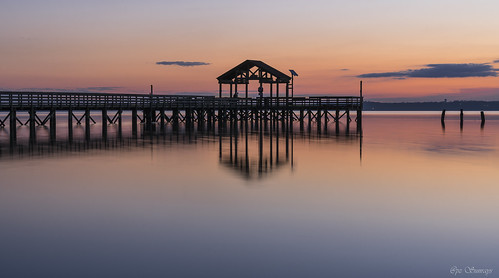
{"x": 432, "y": 106}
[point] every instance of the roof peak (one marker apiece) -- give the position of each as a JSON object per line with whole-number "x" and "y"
{"x": 243, "y": 69}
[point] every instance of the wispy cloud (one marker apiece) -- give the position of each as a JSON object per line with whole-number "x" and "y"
{"x": 344, "y": 69}
{"x": 40, "y": 89}
{"x": 496, "y": 61}
{"x": 101, "y": 89}
{"x": 439, "y": 71}
{"x": 67, "y": 90}
{"x": 182, "y": 63}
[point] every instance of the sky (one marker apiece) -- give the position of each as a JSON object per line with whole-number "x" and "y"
{"x": 401, "y": 50}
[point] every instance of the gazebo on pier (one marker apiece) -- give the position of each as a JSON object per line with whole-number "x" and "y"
{"x": 254, "y": 70}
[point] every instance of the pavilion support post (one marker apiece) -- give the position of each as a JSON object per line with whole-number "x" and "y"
{"x": 220, "y": 90}
{"x": 230, "y": 90}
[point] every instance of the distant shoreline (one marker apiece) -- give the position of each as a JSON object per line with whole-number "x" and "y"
{"x": 432, "y": 106}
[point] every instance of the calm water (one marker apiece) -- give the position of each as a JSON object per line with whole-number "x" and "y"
{"x": 407, "y": 199}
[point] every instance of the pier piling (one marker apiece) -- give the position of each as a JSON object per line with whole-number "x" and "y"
{"x": 192, "y": 110}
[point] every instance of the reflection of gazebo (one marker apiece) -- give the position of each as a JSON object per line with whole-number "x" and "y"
{"x": 275, "y": 148}
{"x": 254, "y": 70}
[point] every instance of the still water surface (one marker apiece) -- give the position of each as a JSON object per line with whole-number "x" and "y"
{"x": 406, "y": 199}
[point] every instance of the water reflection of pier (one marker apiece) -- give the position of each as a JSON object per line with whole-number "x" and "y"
{"x": 250, "y": 148}
{"x": 255, "y": 149}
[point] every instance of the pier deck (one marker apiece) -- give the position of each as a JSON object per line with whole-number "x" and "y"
{"x": 164, "y": 109}
{"x": 98, "y": 101}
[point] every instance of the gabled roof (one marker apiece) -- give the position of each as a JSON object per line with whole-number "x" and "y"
{"x": 247, "y": 65}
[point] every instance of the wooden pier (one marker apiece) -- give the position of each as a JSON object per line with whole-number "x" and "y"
{"x": 159, "y": 110}
{"x": 252, "y": 149}
{"x": 152, "y": 110}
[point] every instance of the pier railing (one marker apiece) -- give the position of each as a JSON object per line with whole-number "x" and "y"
{"x": 64, "y": 101}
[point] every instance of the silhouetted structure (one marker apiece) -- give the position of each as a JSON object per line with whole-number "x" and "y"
{"x": 254, "y": 70}
{"x": 163, "y": 109}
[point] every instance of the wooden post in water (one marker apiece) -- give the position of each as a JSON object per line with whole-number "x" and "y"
{"x": 52, "y": 125}
{"x": 70, "y": 124}
{"x": 175, "y": 119}
{"x": 104, "y": 123}
{"x": 442, "y": 117}
{"x": 87, "y": 124}
{"x": 13, "y": 125}
{"x": 162, "y": 119}
{"x": 461, "y": 116}
{"x": 276, "y": 111}
{"x": 318, "y": 119}
{"x": 309, "y": 120}
{"x": 32, "y": 125}
{"x": 246, "y": 101}
{"x": 120, "y": 122}
{"x": 188, "y": 118}
{"x": 302, "y": 116}
{"x": 482, "y": 116}
{"x": 359, "y": 110}
{"x": 134, "y": 122}
{"x": 348, "y": 122}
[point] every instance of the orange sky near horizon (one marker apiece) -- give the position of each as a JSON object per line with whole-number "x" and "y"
{"x": 75, "y": 46}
